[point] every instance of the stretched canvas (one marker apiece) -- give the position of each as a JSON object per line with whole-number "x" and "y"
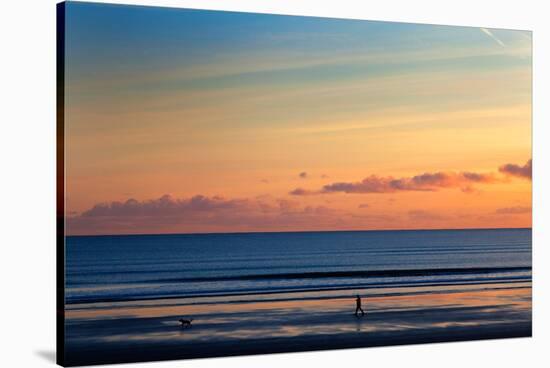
{"x": 237, "y": 183}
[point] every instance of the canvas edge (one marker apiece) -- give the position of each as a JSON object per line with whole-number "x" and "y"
{"x": 60, "y": 183}
{"x": 60, "y": 187}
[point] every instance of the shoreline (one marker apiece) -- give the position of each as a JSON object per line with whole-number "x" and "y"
{"x": 487, "y": 286}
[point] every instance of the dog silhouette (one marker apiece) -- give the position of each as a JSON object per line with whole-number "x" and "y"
{"x": 185, "y": 322}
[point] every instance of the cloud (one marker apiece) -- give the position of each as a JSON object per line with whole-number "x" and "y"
{"x": 518, "y": 210}
{"x": 525, "y": 171}
{"x": 288, "y": 206}
{"x": 303, "y": 175}
{"x": 427, "y": 182}
{"x": 371, "y": 184}
{"x": 302, "y": 192}
{"x": 207, "y": 214}
{"x": 495, "y": 38}
{"x": 163, "y": 206}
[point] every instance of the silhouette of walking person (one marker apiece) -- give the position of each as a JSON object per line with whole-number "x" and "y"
{"x": 358, "y": 306}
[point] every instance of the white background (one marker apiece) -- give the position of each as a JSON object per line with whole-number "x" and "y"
{"x": 27, "y": 182}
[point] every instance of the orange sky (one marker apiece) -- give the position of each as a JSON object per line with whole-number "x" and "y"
{"x": 169, "y": 132}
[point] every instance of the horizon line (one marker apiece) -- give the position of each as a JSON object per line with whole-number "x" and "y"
{"x": 300, "y": 231}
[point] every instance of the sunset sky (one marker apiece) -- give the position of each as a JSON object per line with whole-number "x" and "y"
{"x": 183, "y": 121}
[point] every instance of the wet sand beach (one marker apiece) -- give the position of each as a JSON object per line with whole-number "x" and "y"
{"x": 234, "y": 325}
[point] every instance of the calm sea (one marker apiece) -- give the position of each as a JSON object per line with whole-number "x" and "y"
{"x": 137, "y": 267}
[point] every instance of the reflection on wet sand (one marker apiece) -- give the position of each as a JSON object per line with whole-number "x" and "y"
{"x": 303, "y": 317}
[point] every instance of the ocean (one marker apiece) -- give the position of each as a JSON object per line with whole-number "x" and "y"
{"x": 116, "y": 268}
{"x": 249, "y": 287}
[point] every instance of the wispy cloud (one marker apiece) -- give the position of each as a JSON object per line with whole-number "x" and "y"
{"x": 518, "y": 210}
{"x": 302, "y": 192}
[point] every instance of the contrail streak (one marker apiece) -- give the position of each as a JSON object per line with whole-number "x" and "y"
{"x": 490, "y": 34}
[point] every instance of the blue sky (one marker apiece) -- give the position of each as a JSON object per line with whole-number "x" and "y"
{"x": 233, "y": 105}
